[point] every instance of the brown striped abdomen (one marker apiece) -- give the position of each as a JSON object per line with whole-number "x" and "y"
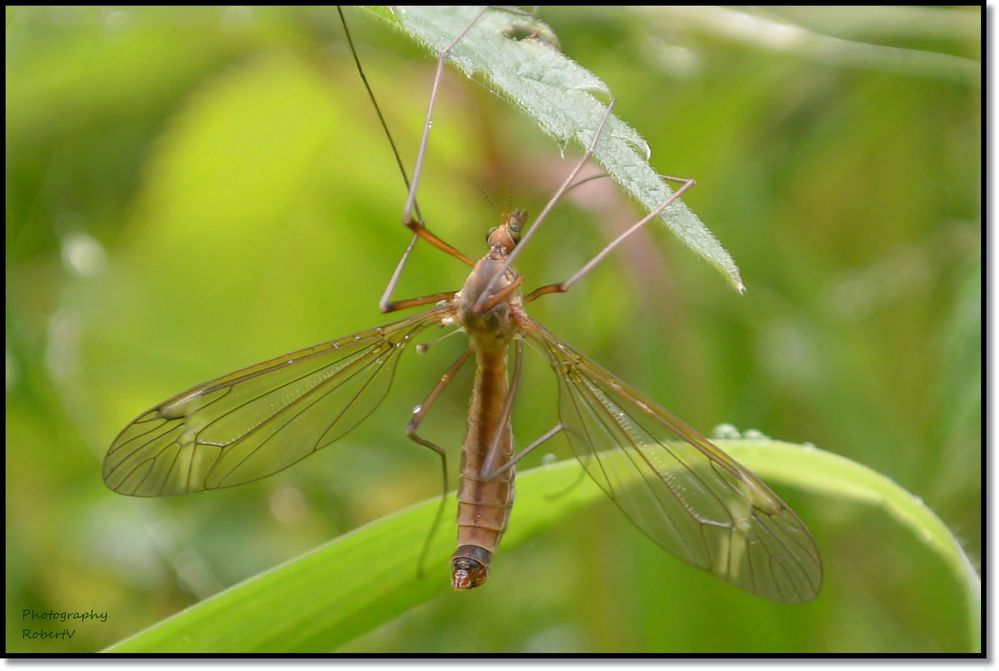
{"x": 483, "y": 505}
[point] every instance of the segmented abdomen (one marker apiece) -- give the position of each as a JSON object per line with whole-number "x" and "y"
{"x": 484, "y": 506}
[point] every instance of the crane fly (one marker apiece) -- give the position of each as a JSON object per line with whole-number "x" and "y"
{"x": 671, "y": 482}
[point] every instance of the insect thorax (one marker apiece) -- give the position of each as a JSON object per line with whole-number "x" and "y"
{"x": 493, "y": 328}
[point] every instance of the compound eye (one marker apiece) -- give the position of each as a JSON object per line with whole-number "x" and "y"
{"x": 490, "y": 233}
{"x": 514, "y": 232}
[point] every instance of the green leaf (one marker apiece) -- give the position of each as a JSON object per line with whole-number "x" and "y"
{"x": 559, "y": 95}
{"x": 327, "y": 597}
{"x": 826, "y": 473}
{"x": 355, "y": 583}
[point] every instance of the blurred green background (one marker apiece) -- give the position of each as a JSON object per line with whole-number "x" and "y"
{"x": 193, "y": 190}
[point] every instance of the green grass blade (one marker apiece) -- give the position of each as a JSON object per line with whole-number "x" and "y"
{"x": 355, "y": 583}
{"x": 821, "y": 472}
{"x": 350, "y": 585}
{"x": 559, "y": 95}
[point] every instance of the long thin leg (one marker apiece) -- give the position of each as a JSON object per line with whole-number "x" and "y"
{"x": 413, "y": 302}
{"x": 415, "y": 224}
{"x": 411, "y": 432}
{"x": 504, "y": 419}
{"x": 562, "y": 287}
{"x": 544, "y": 213}
{"x": 584, "y": 180}
{"x": 523, "y": 453}
{"x": 378, "y": 109}
{"x": 441, "y": 59}
{"x": 503, "y": 294}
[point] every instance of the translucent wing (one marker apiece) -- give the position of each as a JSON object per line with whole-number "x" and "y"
{"x": 259, "y": 420}
{"x": 677, "y": 487}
